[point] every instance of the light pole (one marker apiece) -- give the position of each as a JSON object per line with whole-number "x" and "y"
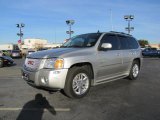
{"x": 20, "y": 26}
{"x": 70, "y": 23}
{"x": 129, "y": 18}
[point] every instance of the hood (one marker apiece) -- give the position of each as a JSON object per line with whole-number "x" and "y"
{"x": 7, "y": 58}
{"x": 54, "y": 52}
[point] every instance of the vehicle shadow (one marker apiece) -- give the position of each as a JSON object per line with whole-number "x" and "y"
{"x": 34, "y": 109}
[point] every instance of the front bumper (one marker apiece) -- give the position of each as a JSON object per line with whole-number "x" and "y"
{"x": 45, "y": 78}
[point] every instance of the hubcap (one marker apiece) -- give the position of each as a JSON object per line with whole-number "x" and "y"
{"x": 80, "y": 83}
{"x": 135, "y": 70}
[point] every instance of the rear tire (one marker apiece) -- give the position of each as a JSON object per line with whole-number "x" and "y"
{"x": 1, "y": 62}
{"x": 78, "y": 81}
{"x": 134, "y": 72}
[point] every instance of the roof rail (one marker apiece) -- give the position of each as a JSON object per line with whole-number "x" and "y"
{"x": 120, "y": 33}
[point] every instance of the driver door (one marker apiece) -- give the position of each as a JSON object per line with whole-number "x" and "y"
{"x": 109, "y": 60}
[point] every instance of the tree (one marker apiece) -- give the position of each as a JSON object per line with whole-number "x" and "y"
{"x": 143, "y": 43}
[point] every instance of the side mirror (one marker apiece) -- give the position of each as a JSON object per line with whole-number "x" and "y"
{"x": 106, "y": 46}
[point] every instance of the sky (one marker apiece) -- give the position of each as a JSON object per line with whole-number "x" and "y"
{"x": 46, "y": 18}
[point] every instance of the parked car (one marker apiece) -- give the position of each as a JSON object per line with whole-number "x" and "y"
{"x": 16, "y": 54}
{"x": 6, "y": 52}
{"x": 6, "y": 60}
{"x": 9, "y": 53}
{"x": 85, "y": 60}
{"x": 1, "y": 53}
{"x": 150, "y": 52}
{"x": 159, "y": 53}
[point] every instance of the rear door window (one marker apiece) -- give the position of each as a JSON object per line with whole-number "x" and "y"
{"x": 123, "y": 42}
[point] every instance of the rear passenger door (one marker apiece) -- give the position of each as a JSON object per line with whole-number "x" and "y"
{"x": 128, "y": 47}
{"x": 109, "y": 60}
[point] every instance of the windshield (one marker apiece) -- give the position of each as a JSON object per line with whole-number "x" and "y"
{"x": 85, "y": 40}
{"x": 151, "y": 49}
{"x": 31, "y": 51}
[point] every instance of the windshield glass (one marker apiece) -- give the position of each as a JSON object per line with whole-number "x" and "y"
{"x": 151, "y": 49}
{"x": 85, "y": 40}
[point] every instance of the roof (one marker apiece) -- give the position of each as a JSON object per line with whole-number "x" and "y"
{"x": 115, "y": 32}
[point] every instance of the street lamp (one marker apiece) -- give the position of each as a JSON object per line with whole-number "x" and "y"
{"x": 20, "y": 26}
{"x": 70, "y": 23}
{"x": 129, "y": 18}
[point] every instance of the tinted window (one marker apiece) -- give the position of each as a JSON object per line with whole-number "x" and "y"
{"x": 128, "y": 43}
{"x": 132, "y": 43}
{"x": 150, "y": 49}
{"x": 112, "y": 39}
{"x": 123, "y": 42}
{"x": 154, "y": 48}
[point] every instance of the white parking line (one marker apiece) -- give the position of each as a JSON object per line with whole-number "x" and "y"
{"x": 17, "y": 109}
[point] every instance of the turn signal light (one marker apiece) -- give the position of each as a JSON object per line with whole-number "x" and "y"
{"x": 58, "y": 64}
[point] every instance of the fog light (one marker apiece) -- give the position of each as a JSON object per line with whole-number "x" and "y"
{"x": 44, "y": 80}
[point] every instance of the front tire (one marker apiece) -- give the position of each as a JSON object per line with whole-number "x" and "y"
{"x": 134, "y": 72}
{"x": 78, "y": 82}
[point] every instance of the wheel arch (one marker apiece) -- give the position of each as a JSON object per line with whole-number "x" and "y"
{"x": 139, "y": 61}
{"x": 90, "y": 67}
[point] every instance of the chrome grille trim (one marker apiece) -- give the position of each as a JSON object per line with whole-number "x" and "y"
{"x": 32, "y": 64}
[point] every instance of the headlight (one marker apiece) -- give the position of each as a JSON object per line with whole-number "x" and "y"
{"x": 54, "y": 63}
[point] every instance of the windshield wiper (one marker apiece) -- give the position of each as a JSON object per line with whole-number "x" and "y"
{"x": 63, "y": 46}
{"x": 76, "y": 46}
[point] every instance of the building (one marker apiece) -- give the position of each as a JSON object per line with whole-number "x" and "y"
{"x": 54, "y": 45}
{"x": 9, "y": 47}
{"x": 33, "y": 43}
{"x": 36, "y": 44}
{"x": 155, "y": 46}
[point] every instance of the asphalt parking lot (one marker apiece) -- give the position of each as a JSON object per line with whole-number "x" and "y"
{"x": 118, "y": 100}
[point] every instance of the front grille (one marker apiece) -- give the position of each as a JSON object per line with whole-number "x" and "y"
{"x": 32, "y": 64}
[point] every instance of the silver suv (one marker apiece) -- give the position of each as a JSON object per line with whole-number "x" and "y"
{"x": 84, "y": 61}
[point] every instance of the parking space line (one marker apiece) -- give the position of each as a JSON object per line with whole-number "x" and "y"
{"x": 17, "y": 109}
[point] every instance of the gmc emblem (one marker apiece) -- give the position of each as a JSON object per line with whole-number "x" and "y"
{"x": 30, "y": 62}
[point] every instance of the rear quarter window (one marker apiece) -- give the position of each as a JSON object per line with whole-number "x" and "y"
{"x": 132, "y": 42}
{"x": 123, "y": 42}
{"x": 128, "y": 42}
